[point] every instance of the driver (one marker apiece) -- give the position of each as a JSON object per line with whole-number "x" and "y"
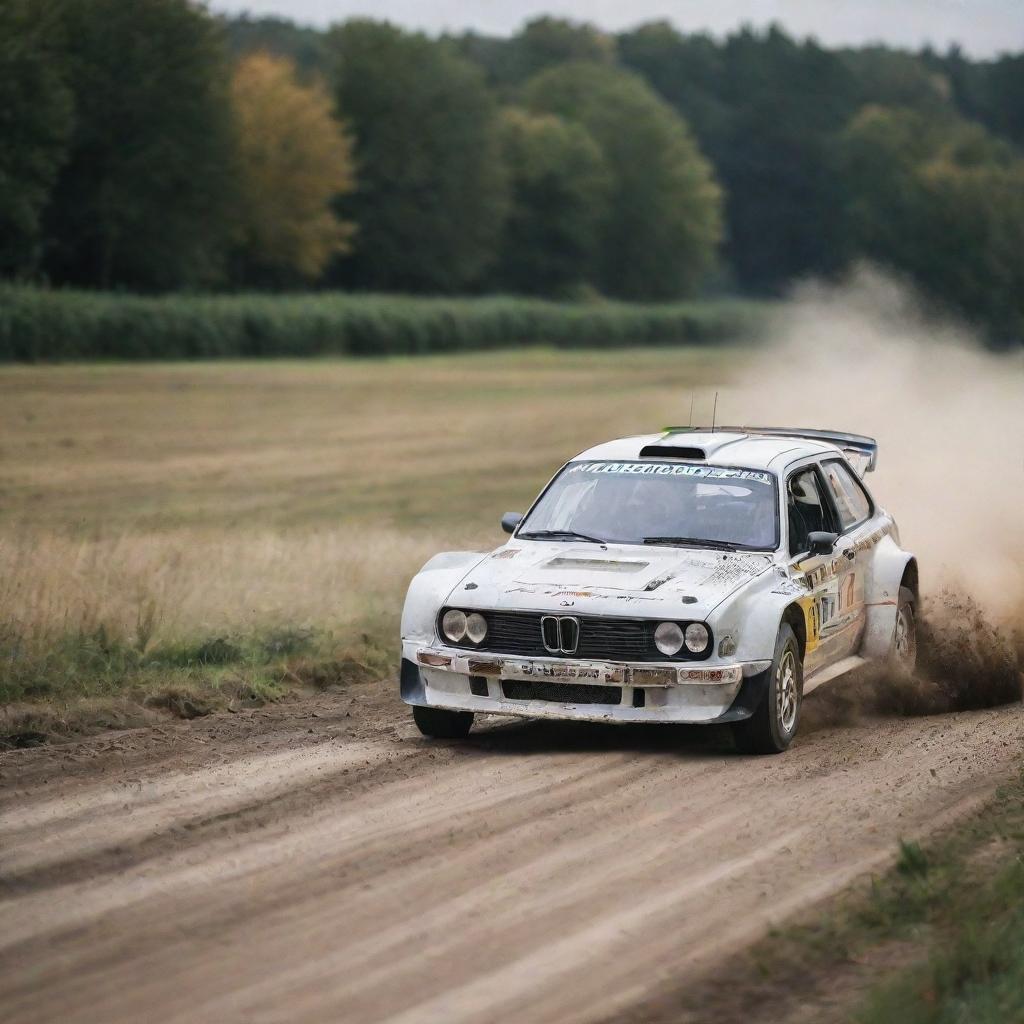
{"x": 630, "y": 507}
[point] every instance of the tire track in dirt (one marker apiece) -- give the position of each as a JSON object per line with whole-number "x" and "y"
{"x": 533, "y": 872}
{"x": 40, "y": 835}
{"x": 405, "y": 809}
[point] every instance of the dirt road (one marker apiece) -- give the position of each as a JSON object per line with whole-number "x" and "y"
{"x": 318, "y": 861}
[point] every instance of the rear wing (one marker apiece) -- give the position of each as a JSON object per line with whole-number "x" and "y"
{"x": 861, "y": 451}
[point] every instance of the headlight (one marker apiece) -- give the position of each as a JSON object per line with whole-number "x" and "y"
{"x": 476, "y": 627}
{"x": 697, "y": 638}
{"x": 668, "y": 638}
{"x": 453, "y": 625}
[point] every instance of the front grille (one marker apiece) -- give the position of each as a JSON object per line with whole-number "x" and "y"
{"x": 513, "y": 633}
{"x": 561, "y": 693}
{"x": 621, "y": 639}
{"x": 600, "y": 639}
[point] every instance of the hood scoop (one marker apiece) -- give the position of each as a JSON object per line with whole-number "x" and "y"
{"x": 594, "y": 564}
{"x": 673, "y": 451}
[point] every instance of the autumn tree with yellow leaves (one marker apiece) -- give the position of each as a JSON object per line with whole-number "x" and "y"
{"x": 294, "y": 161}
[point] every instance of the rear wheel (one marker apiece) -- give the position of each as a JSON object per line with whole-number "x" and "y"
{"x": 442, "y": 724}
{"x": 904, "y": 637}
{"x": 771, "y": 728}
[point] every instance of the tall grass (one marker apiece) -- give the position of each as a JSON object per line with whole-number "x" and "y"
{"x": 81, "y": 616}
{"x": 41, "y": 325}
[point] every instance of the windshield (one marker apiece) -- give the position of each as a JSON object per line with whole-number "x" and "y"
{"x": 658, "y": 502}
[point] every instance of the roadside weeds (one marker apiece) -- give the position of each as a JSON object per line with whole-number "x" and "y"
{"x": 86, "y": 684}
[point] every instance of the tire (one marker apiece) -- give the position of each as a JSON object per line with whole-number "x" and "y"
{"x": 441, "y": 724}
{"x": 904, "y": 635}
{"x": 771, "y": 728}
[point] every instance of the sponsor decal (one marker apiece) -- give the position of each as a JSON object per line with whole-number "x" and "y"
{"x": 730, "y": 674}
{"x": 672, "y": 469}
{"x": 652, "y": 676}
{"x": 546, "y": 670}
{"x": 731, "y": 571}
{"x": 873, "y": 538}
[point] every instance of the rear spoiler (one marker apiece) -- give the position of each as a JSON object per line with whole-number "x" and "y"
{"x": 861, "y": 451}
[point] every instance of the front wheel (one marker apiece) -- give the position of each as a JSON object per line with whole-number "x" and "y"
{"x": 771, "y": 728}
{"x": 442, "y": 724}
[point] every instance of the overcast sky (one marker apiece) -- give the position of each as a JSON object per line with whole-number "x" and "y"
{"x": 982, "y": 27}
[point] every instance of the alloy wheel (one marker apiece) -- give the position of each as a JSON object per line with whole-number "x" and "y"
{"x": 786, "y": 692}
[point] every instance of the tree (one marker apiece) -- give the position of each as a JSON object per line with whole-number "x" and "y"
{"x": 546, "y": 42}
{"x": 990, "y": 92}
{"x": 541, "y": 43}
{"x": 35, "y": 121}
{"x": 142, "y": 201}
{"x": 432, "y": 192}
{"x": 789, "y": 102}
{"x": 302, "y": 45}
{"x": 766, "y": 110}
{"x": 1005, "y": 113}
{"x": 294, "y": 159}
{"x": 560, "y": 190}
{"x": 941, "y": 200}
{"x": 895, "y": 78}
{"x": 663, "y": 223}
{"x": 687, "y": 71}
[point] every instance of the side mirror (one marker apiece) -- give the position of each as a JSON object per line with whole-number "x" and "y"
{"x": 821, "y": 542}
{"x": 510, "y": 520}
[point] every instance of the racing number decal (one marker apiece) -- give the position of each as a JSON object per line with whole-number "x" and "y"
{"x": 813, "y": 619}
{"x": 832, "y": 601}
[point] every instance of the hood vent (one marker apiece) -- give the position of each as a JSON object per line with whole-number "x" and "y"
{"x": 593, "y": 564}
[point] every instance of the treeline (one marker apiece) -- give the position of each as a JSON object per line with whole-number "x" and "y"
{"x": 139, "y": 154}
{"x": 148, "y": 146}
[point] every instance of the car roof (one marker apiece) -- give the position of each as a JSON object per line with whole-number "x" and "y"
{"x": 712, "y": 448}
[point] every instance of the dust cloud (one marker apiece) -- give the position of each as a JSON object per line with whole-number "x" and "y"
{"x": 868, "y": 357}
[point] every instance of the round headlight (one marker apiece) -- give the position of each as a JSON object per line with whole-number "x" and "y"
{"x": 668, "y": 638}
{"x": 476, "y": 627}
{"x": 697, "y": 637}
{"x": 453, "y": 625}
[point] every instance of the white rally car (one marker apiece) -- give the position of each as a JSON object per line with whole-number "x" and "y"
{"x": 688, "y": 576}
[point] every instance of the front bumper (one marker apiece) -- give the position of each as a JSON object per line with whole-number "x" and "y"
{"x": 460, "y": 680}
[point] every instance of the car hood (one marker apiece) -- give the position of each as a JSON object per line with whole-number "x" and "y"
{"x": 616, "y": 580}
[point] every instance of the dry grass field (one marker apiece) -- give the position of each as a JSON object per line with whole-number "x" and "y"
{"x": 173, "y": 532}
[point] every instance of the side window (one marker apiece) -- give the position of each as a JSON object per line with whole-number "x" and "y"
{"x": 850, "y": 500}
{"x": 805, "y": 508}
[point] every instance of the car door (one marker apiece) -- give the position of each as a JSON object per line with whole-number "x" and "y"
{"x": 810, "y": 510}
{"x": 854, "y": 513}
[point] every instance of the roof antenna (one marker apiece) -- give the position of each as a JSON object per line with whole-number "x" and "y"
{"x": 714, "y": 413}
{"x": 690, "y": 424}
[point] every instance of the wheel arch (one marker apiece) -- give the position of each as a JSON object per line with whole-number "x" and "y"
{"x": 892, "y": 568}
{"x": 911, "y": 580}
{"x": 429, "y": 588}
{"x": 755, "y": 617}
